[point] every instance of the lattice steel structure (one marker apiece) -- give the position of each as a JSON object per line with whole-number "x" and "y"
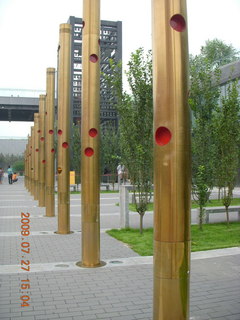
{"x": 111, "y": 47}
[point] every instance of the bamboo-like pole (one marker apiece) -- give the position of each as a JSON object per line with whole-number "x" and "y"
{"x": 42, "y": 160}
{"x": 27, "y": 165}
{"x": 172, "y": 172}
{"x": 49, "y": 145}
{"x": 31, "y": 163}
{"x": 64, "y": 71}
{"x": 90, "y": 173}
{"x": 36, "y": 156}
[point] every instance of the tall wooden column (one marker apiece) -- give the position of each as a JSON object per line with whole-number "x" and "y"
{"x": 172, "y": 172}
{"x": 64, "y": 71}
{"x": 36, "y": 156}
{"x": 49, "y": 145}
{"x": 90, "y": 173}
{"x": 31, "y": 163}
{"x": 42, "y": 160}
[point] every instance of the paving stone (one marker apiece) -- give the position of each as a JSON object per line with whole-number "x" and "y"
{"x": 117, "y": 293}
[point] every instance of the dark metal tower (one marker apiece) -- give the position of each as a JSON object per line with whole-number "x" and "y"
{"x": 111, "y": 47}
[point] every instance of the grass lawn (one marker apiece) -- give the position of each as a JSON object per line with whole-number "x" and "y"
{"x": 213, "y": 236}
{"x": 211, "y": 203}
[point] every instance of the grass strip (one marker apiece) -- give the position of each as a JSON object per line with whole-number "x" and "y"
{"x": 211, "y": 203}
{"x": 213, "y": 236}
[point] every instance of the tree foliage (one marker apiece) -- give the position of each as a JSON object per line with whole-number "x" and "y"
{"x": 110, "y": 152}
{"x": 76, "y": 153}
{"x": 218, "y": 53}
{"x": 136, "y": 120}
{"x": 15, "y": 161}
{"x": 204, "y": 101}
{"x": 227, "y": 130}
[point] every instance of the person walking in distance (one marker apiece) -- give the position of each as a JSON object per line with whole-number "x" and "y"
{"x": 10, "y": 173}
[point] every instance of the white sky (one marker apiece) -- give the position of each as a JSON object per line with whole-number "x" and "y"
{"x": 29, "y": 33}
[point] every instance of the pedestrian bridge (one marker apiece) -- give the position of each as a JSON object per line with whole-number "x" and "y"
{"x": 19, "y": 104}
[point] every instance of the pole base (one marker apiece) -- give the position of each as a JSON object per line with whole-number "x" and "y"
{"x": 57, "y": 232}
{"x": 81, "y": 265}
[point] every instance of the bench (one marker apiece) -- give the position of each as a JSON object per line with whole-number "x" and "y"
{"x": 105, "y": 185}
{"x": 211, "y": 210}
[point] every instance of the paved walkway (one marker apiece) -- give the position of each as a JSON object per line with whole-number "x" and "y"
{"x": 120, "y": 290}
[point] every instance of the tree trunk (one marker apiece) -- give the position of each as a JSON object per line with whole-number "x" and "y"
{"x": 141, "y": 222}
{"x": 227, "y": 214}
{"x": 201, "y": 212}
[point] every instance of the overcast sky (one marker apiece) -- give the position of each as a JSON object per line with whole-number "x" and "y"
{"x": 29, "y": 33}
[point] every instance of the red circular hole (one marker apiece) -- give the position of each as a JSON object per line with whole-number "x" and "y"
{"x": 93, "y": 58}
{"x": 93, "y": 132}
{"x": 89, "y": 152}
{"x": 178, "y": 23}
{"x": 83, "y": 24}
{"x": 52, "y": 150}
{"x": 37, "y": 150}
{"x": 65, "y": 145}
{"x": 50, "y": 131}
{"x": 42, "y": 139}
{"x": 43, "y": 161}
{"x": 163, "y": 136}
{"x": 59, "y": 132}
{"x": 30, "y": 147}
{"x": 46, "y": 112}
{"x": 39, "y": 131}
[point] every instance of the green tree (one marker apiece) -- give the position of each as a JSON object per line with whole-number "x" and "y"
{"x": 227, "y": 128}
{"x": 76, "y": 153}
{"x": 203, "y": 101}
{"x": 18, "y": 166}
{"x": 110, "y": 151}
{"x": 218, "y": 53}
{"x": 136, "y": 119}
{"x": 9, "y": 159}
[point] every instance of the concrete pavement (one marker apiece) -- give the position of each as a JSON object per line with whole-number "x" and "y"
{"x": 120, "y": 290}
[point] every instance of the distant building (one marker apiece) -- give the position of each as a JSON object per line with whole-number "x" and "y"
{"x": 111, "y": 48}
{"x": 229, "y": 72}
{"x": 13, "y": 146}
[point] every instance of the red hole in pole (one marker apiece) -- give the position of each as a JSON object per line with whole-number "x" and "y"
{"x": 52, "y": 150}
{"x": 83, "y": 24}
{"x": 39, "y": 131}
{"x": 178, "y": 23}
{"x": 30, "y": 147}
{"x": 43, "y": 161}
{"x": 93, "y": 132}
{"x": 42, "y": 139}
{"x": 89, "y": 152}
{"x": 163, "y": 136}
{"x": 46, "y": 112}
{"x": 37, "y": 150}
{"x": 65, "y": 145}
{"x": 93, "y": 58}
{"x": 59, "y": 132}
{"x": 50, "y": 131}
